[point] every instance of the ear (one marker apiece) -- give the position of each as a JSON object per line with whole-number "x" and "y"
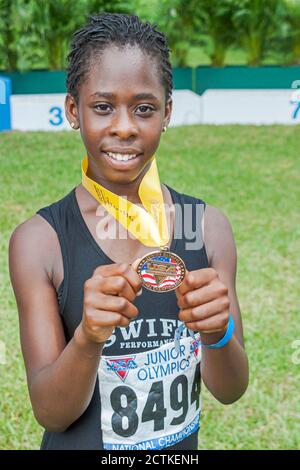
{"x": 71, "y": 110}
{"x": 168, "y": 112}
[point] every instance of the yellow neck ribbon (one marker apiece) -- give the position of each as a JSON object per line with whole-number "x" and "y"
{"x": 147, "y": 224}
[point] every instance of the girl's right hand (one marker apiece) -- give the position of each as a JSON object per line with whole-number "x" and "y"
{"x": 107, "y": 302}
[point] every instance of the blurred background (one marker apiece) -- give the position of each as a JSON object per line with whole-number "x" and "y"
{"x": 235, "y": 61}
{"x": 234, "y": 142}
{"x": 35, "y": 34}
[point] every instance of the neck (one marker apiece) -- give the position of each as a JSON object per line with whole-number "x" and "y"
{"x": 128, "y": 190}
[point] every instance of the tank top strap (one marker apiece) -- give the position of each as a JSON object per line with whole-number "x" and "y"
{"x": 57, "y": 215}
{"x": 188, "y": 228}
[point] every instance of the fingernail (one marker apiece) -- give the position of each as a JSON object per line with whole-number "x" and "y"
{"x": 140, "y": 292}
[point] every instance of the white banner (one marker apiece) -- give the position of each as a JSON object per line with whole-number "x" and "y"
{"x": 46, "y": 111}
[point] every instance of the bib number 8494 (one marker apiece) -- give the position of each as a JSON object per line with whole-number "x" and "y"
{"x": 124, "y": 402}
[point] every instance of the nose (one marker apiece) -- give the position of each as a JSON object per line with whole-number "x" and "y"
{"x": 123, "y": 124}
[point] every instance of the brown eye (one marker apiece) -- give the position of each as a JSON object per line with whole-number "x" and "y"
{"x": 101, "y": 107}
{"x": 144, "y": 108}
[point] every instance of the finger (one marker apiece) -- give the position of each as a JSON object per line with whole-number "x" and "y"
{"x": 139, "y": 292}
{"x": 201, "y": 312}
{"x": 202, "y": 295}
{"x": 195, "y": 279}
{"x": 120, "y": 269}
{"x": 116, "y": 285}
{"x": 210, "y": 325}
{"x": 135, "y": 265}
{"x": 104, "y": 318}
{"x": 112, "y": 303}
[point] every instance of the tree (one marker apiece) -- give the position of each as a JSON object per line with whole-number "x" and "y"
{"x": 57, "y": 22}
{"x": 111, "y": 6}
{"x": 288, "y": 39}
{"x": 8, "y": 52}
{"x": 34, "y": 32}
{"x": 217, "y": 23}
{"x": 147, "y": 9}
{"x": 256, "y": 22}
{"x": 178, "y": 20}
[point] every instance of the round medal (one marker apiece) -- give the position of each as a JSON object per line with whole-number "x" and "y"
{"x": 161, "y": 271}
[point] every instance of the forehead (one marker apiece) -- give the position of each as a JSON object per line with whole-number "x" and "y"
{"x": 126, "y": 70}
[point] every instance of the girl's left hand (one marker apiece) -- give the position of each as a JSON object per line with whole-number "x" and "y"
{"x": 203, "y": 301}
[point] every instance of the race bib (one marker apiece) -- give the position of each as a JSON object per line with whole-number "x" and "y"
{"x": 150, "y": 400}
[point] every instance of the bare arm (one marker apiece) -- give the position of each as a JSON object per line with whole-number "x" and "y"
{"x": 61, "y": 377}
{"x": 225, "y": 370}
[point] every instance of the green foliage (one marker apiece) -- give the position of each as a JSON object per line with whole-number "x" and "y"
{"x": 116, "y": 6}
{"x": 178, "y": 20}
{"x": 256, "y": 22}
{"x": 35, "y": 34}
{"x": 147, "y": 10}
{"x": 287, "y": 41}
{"x": 29, "y": 46}
{"x": 60, "y": 20}
{"x": 216, "y": 22}
{"x": 8, "y": 38}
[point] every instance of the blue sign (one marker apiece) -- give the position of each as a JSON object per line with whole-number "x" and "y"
{"x": 5, "y": 92}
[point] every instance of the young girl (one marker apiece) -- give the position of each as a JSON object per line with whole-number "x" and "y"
{"x": 113, "y": 362}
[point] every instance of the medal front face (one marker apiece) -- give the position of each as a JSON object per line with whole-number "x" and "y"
{"x": 161, "y": 271}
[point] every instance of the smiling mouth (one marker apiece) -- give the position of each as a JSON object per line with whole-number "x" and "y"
{"x": 121, "y": 157}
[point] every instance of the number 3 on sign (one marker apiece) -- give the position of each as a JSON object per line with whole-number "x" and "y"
{"x": 57, "y": 118}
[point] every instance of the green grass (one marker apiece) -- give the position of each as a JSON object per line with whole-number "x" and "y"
{"x": 198, "y": 55}
{"x": 250, "y": 173}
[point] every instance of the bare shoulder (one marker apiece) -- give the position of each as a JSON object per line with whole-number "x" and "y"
{"x": 31, "y": 250}
{"x": 218, "y": 235}
{"x": 36, "y": 240}
{"x": 31, "y": 228}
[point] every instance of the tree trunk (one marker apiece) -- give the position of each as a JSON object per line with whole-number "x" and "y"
{"x": 254, "y": 48}
{"x": 11, "y": 54}
{"x": 218, "y": 54}
{"x": 55, "y": 53}
{"x": 296, "y": 52}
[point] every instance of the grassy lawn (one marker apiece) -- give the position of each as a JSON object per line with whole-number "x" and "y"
{"x": 252, "y": 174}
{"x": 198, "y": 55}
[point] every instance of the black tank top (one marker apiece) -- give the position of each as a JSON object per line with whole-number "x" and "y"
{"x": 158, "y": 313}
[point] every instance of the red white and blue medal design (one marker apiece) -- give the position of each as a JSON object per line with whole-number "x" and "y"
{"x": 161, "y": 271}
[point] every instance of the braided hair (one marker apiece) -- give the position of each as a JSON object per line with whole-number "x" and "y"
{"x": 120, "y": 29}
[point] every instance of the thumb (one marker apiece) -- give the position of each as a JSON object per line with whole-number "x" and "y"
{"x": 135, "y": 265}
{"x": 180, "y": 290}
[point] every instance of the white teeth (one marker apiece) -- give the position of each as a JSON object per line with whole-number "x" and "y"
{"x": 121, "y": 156}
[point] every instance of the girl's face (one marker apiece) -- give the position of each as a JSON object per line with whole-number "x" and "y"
{"x": 121, "y": 109}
